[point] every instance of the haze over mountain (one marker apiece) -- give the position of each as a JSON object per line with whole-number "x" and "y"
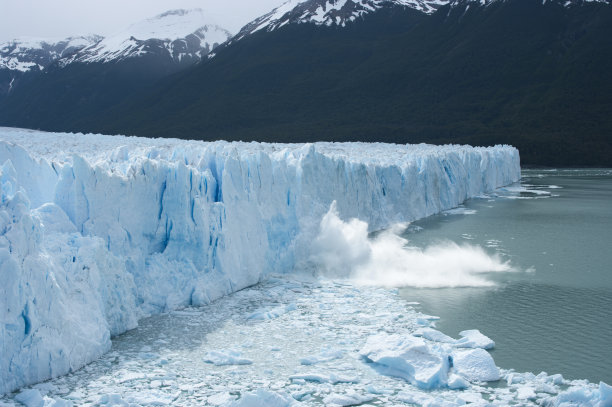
{"x": 529, "y": 73}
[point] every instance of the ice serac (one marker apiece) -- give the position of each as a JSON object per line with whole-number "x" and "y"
{"x": 99, "y": 231}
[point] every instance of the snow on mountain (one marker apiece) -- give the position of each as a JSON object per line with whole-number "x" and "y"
{"x": 184, "y": 35}
{"x": 342, "y": 12}
{"x": 97, "y": 232}
{"x": 26, "y": 54}
{"x": 329, "y": 12}
{"x": 178, "y": 33}
{"x": 564, "y": 3}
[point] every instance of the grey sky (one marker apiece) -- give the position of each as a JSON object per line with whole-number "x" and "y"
{"x": 62, "y": 18}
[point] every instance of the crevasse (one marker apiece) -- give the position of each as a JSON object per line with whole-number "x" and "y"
{"x": 97, "y": 231}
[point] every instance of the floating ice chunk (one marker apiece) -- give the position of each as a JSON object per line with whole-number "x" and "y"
{"x": 585, "y": 396}
{"x": 557, "y": 379}
{"x": 456, "y": 382}
{"x": 30, "y": 398}
{"x": 476, "y": 365}
{"x": 525, "y": 393}
{"x": 264, "y": 398}
{"x": 521, "y": 189}
{"x": 378, "y": 390}
{"x": 225, "y": 357}
{"x": 460, "y": 211}
{"x": 409, "y": 358}
{"x": 126, "y": 377}
{"x": 474, "y": 339}
{"x": 322, "y": 378}
{"x": 426, "y": 320}
{"x": 473, "y": 398}
{"x": 324, "y": 356}
{"x": 152, "y": 398}
{"x": 424, "y": 399}
{"x": 265, "y": 314}
{"x": 112, "y": 400}
{"x": 347, "y": 399}
{"x": 148, "y": 355}
{"x": 57, "y": 402}
{"x": 546, "y": 388}
{"x": 33, "y": 398}
{"x": 434, "y": 335}
{"x": 220, "y": 399}
{"x": 605, "y": 394}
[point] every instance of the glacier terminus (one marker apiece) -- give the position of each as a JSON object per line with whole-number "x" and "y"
{"x": 99, "y": 232}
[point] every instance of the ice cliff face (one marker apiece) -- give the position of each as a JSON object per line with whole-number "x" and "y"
{"x": 98, "y": 231}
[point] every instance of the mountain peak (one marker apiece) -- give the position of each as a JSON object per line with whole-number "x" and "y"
{"x": 184, "y": 36}
{"x": 171, "y": 25}
{"x": 564, "y": 3}
{"x": 180, "y": 12}
{"x": 181, "y": 33}
{"x": 27, "y": 53}
{"x": 329, "y": 12}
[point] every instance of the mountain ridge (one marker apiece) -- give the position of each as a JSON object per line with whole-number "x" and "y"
{"x": 181, "y": 33}
{"x": 328, "y": 13}
{"x": 515, "y": 72}
{"x": 528, "y": 73}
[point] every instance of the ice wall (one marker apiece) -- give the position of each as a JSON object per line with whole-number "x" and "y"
{"x": 99, "y": 231}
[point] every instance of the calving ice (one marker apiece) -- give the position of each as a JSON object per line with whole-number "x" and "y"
{"x": 99, "y": 231}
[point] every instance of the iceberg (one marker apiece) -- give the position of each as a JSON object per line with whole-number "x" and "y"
{"x": 263, "y": 397}
{"x": 225, "y": 358}
{"x": 472, "y": 338}
{"x": 409, "y": 358}
{"x": 475, "y": 365}
{"x": 97, "y": 232}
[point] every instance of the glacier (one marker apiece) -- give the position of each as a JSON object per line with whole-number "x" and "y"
{"x": 97, "y": 232}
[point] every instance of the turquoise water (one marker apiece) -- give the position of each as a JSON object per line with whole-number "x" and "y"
{"x": 555, "y": 314}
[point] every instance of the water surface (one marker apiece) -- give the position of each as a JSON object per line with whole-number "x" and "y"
{"x": 556, "y": 314}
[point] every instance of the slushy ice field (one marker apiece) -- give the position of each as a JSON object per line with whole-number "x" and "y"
{"x": 289, "y": 342}
{"x": 244, "y": 274}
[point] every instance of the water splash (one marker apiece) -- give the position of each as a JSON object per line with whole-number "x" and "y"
{"x": 344, "y": 250}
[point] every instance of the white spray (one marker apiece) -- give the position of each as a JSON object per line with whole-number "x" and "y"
{"x": 344, "y": 250}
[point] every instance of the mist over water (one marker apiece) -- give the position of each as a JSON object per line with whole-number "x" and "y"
{"x": 345, "y": 250}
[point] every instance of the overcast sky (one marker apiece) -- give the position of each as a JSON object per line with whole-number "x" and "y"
{"x": 62, "y": 18}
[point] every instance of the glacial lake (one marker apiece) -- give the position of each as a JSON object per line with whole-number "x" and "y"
{"x": 555, "y": 313}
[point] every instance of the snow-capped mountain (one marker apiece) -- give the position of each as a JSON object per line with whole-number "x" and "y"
{"x": 153, "y": 48}
{"x": 329, "y": 12}
{"x": 565, "y": 3}
{"x": 342, "y": 12}
{"x": 180, "y": 34}
{"x": 26, "y": 54}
